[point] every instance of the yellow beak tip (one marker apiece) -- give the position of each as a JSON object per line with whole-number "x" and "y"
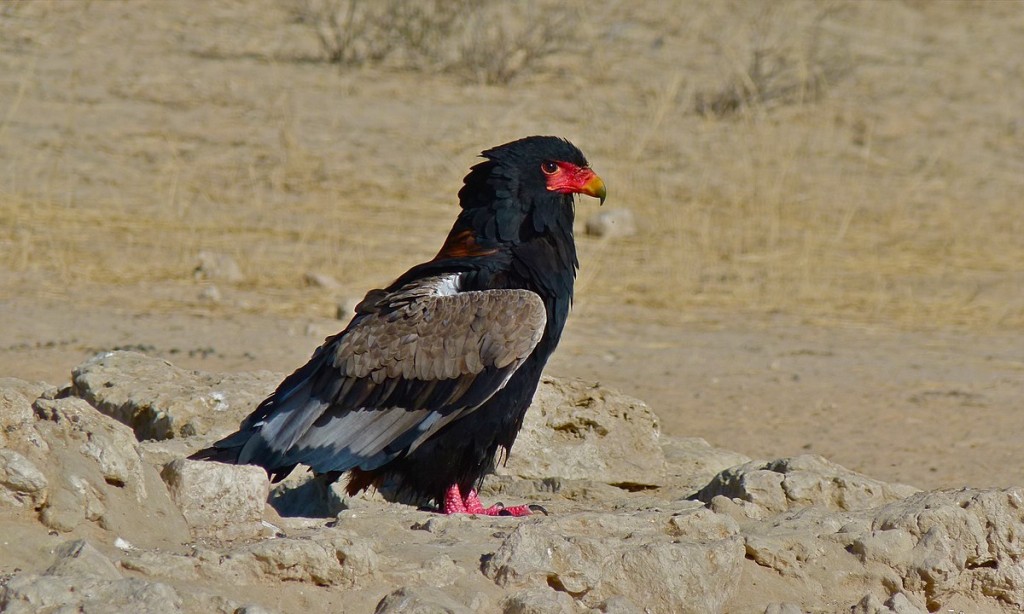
{"x": 595, "y": 187}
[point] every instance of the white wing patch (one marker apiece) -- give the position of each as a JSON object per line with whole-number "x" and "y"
{"x": 448, "y": 285}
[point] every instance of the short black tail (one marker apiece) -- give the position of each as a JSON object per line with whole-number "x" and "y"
{"x": 220, "y": 455}
{"x": 226, "y": 451}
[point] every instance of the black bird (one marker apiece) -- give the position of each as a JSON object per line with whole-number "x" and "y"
{"x": 435, "y": 372}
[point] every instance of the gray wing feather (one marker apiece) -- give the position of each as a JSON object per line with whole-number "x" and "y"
{"x": 385, "y": 369}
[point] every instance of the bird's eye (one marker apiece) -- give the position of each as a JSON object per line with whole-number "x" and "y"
{"x": 549, "y": 168}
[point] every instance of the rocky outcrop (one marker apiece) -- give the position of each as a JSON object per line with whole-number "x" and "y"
{"x": 96, "y": 520}
{"x": 218, "y": 500}
{"x": 765, "y": 488}
{"x": 160, "y": 401}
{"x": 682, "y": 560}
{"x": 577, "y": 430}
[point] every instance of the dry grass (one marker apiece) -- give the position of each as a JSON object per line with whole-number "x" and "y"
{"x": 786, "y": 55}
{"x": 889, "y": 196}
{"x": 485, "y": 41}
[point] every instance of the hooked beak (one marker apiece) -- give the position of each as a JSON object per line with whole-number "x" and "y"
{"x": 593, "y": 185}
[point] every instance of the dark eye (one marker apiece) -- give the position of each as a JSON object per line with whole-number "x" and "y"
{"x": 549, "y": 168}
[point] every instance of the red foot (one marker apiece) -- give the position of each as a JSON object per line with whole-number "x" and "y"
{"x": 455, "y": 503}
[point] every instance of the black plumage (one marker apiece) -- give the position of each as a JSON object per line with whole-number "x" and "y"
{"x": 435, "y": 372}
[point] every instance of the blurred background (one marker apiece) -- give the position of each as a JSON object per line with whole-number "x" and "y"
{"x": 859, "y": 160}
{"x": 850, "y": 166}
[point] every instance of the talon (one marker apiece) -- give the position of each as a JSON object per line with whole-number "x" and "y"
{"x": 517, "y": 511}
{"x": 457, "y": 503}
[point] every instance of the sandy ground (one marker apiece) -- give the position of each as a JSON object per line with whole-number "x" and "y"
{"x": 837, "y": 274}
{"x": 933, "y": 410}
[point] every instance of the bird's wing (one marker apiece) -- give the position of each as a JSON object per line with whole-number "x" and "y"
{"x": 419, "y": 360}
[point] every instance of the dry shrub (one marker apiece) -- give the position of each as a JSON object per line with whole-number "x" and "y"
{"x": 786, "y": 57}
{"x": 9, "y": 7}
{"x": 501, "y": 40}
{"x": 485, "y": 41}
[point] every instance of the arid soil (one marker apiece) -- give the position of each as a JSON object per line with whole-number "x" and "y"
{"x": 827, "y": 197}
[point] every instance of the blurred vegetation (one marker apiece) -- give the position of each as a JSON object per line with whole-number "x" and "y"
{"x": 834, "y": 161}
{"x": 488, "y": 41}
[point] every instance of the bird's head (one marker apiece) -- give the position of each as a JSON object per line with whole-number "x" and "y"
{"x": 527, "y": 185}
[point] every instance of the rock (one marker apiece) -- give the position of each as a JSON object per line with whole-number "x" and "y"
{"x": 576, "y": 430}
{"x": 419, "y": 600}
{"x": 159, "y": 452}
{"x": 22, "y": 484}
{"x": 296, "y": 560}
{"x": 334, "y": 558}
{"x": 936, "y": 549}
{"x": 549, "y": 490}
{"x": 686, "y": 562}
{"x": 17, "y": 415}
{"x": 15, "y": 410}
{"x": 211, "y": 294}
{"x": 73, "y": 501}
{"x": 109, "y": 443}
{"x": 111, "y": 446}
{"x": 776, "y": 486}
{"x": 253, "y": 609}
{"x": 167, "y": 565}
{"x": 899, "y": 603}
{"x": 321, "y": 280}
{"x": 160, "y": 401}
{"x": 30, "y": 594}
{"x": 896, "y": 604}
{"x": 27, "y": 593}
{"x": 622, "y": 537}
{"x": 619, "y": 604}
{"x": 67, "y": 464}
{"x": 21, "y": 389}
{"x": 79, "y": 558}
{"x": 217, "y": 499}
{"x": 439, "y": 571}
{"x": 302, "y": 494}
{"x": 693, "y": 462}
{"x": 946, "y": 543}
{"x": 538, "y": 600}
{"x": 95, "y": 473}
{"x": 611, "y": 223}
{"x": 217, "y": 267}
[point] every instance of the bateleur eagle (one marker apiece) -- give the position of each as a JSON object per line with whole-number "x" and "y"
{"x": 436, "y": 371}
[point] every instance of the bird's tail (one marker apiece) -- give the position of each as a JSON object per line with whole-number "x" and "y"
{"x": 226, "y": 450}
{"x": 220, "y": 455}
{"x": 229, "y": 449}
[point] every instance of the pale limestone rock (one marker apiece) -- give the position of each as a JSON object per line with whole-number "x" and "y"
{"x": 419, "y": 600}
{"x": 539, "y": 600}
{"x": 577, "y": 430}
{"x": 160, "y": 401}
{"x": 80, "y": 558}
{"x": 801, "y": 481}
{"x": 681, "y": 565}
{"x": 611, "y": 223}
{"x": 22, "y": 484}
{"x": 218, "y": 267}
{"x": 218, "y": 499}
{"x": 334, "y": 558}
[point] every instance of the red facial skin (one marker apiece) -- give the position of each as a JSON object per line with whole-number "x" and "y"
{"x": 567, "y": 178}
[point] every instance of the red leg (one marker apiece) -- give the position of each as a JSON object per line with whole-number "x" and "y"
{"x": 473, "y": 502}
{"x": 455, "y": 503}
